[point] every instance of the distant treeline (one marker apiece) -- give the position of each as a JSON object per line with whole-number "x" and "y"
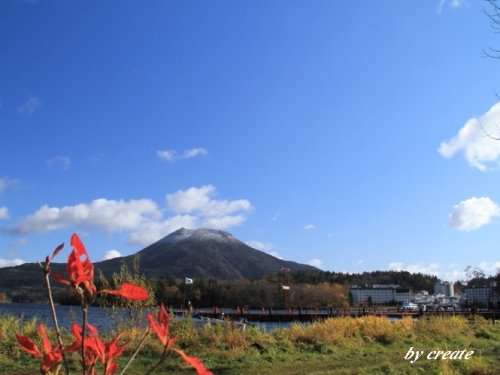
{"x": 315, "y": 289}
{"x": 406, "y": 280}
{"x": 312, "y": 289}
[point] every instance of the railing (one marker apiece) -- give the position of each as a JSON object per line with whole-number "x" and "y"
{"x": 308, "y": 315}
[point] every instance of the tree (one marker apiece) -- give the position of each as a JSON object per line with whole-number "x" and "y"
{"x": 492, "y": 11}
{"x": 475, "y": 276}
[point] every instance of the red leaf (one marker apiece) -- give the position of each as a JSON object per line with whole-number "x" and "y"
{"x": 193, "y": 362}
{"x": 47, "y": 346}
{"x": 79, "y": 267}
{"x": 50, "y": 361}
{"x": 77, "y": 344}
{"x": 163, "y": 318}
{"x": 160, "y": 326}
{"x": 113, "y": 350}
{"x": 129, "y": 291}
{"x": 111, "y": 368}
{"x": 60, "y": 279}
{"x": 158, "y": 329}
{"x": 77, "y": 245}
{"x": 28, "y": 346}
{"x": 94, "y": 343}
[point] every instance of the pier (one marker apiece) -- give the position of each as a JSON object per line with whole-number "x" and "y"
{"x": 311, "y": 315}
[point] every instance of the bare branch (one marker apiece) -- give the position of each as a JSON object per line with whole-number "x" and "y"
{"x": 488, "y": 134}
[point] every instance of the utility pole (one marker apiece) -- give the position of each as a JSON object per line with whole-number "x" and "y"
{"x": 187, "y": 281}
{"x": 285, "y": 286}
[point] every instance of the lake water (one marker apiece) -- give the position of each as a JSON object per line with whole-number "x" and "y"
{"x": 103, "y": 318}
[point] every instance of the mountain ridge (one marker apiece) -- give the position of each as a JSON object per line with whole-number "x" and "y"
{"x": 207, "y": 253}
{"x": 193, "y": 253}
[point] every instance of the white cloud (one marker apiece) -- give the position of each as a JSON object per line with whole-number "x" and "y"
{"x": 310, "y": 227}
{"x": 360, "y": 262}
{"x": 473, "y": 213}
{"x": 315, "y": 262}
{"x": 10, "y": 262}
{"x": 62, "y": 162}
{"x": 173, "y": 155}
{"x": 266, "y": 247}
{"x": 30, "y": 106}
{"x": 454, "y": 275}
{"x": 5, "y": 183}
{"x": 200, "y": 201}
{"x": 151, "y": 231}
{"x": 141, "y": 219}
{"x": 109, "y": 215}
{"x": 168, "y": 155}
{"x": 110, "y": 254}
{"x": 4, "y": 213}
{"x": 454, "y": 4}
{"x": 223, "y": 222}
{"x": 454, "y": 272}
{"x": 489, "y": 267}
{"x": 194, "y": 152}
{"x": 474, "y": 139}
{"x": 429, "y": 269}
{"x": 457, "y": 3}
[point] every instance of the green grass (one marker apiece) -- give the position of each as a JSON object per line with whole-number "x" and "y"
{"x": 368, "y": 345}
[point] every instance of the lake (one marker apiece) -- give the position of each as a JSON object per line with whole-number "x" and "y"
{"x": 103, "y": 318}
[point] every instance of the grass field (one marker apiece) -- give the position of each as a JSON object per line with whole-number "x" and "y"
{"x": 368, "y": 345}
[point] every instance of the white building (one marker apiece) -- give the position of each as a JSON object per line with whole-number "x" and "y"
{"x": 402, "y": 295}
{"x": 445, "y": 288}
{"x": 379, "y": 295}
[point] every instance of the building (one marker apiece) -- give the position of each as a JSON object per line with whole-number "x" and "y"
{"x": 379, "y": 295}
{"x": 402, "y": 295}
{"x": 479, "y": 296}
{"x": 446, "y": 288}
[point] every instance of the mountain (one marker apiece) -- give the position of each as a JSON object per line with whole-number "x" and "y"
{"x": 204, "y": 253}
{"x": 199, "y": 253}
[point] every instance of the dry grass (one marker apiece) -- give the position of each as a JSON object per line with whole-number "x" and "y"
{"x": 344, "y": 343}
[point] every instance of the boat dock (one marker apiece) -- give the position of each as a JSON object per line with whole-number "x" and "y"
{"x": 311, "y": 315}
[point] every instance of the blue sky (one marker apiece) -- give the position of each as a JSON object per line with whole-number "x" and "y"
{"x": 348, "y": 135}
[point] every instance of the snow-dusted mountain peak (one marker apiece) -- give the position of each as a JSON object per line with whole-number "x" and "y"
{"x": 202, "y": 234}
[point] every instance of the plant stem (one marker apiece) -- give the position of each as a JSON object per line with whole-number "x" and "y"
{"x": 146, "y": 335}
{"x": 163, "y": 356}
{"x": 84, "y": 324}
{"x": 46, "y": 272}
{"x": 56, "y": 324}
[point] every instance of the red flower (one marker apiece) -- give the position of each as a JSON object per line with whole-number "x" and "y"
{"x": 51, "y": 358}
{"x": 160, "y": 327}
{"x": 193, "y": 362}
{"x": 79, "y": 268}
{"x": 129, "y": 291}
